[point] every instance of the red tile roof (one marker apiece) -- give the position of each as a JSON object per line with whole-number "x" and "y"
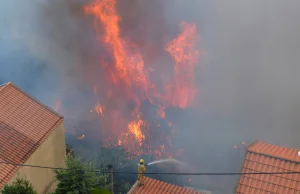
{"x": 24, "y": 125}
{"x": 264, "y": 157}
{"x": 2, "y": 86}
{"x": 153, "y": 186}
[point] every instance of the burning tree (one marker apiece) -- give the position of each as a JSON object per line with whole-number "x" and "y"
{"x": 130, "y": 82}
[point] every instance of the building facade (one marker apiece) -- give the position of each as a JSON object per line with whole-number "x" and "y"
{"x": 30, "y": 134}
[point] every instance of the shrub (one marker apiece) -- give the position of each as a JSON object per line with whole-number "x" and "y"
{"x": 20, "y": 186}
{"x": 78, "y": 178}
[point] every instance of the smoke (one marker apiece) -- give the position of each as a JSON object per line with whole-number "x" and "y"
{"x": 247, "y": 79}
{"x": 38, "y": 51}
{"x": 249, "y": 85}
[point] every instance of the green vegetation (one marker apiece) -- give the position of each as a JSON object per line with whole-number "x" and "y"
{"x": 82, "y": 177}
{"x": 79, "y": 178}
{"x": 119, "y": 159}
{"x": 20, "y": 186}
{"x": 115, "y": 156}
{"x": 101, "y": 191}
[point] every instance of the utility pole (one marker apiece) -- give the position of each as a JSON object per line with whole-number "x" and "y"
{"x": 110, "y": 169}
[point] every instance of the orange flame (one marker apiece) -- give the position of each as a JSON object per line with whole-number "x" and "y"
{"x": 129, "y": 74}
{"x": 135, "y": 128}
{"x": 128, "y": 62}
{"x": 99, "y": 109}
{"x": 181, "y": 91}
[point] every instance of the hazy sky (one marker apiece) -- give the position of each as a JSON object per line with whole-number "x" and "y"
{"x": 248, "y": 79}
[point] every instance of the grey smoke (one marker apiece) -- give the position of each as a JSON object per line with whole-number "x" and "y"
{"x": 248, "y": 81}
{"x": 249, "y": 84}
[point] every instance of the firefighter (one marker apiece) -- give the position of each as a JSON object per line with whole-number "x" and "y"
{"x": 141, "y": 171}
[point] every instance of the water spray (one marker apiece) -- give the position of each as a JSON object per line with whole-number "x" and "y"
{"x": 174, "y": 161}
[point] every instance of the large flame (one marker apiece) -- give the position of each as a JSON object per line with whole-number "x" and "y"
{"x": 129, "y": 82}
{"x": 181, "y": 91}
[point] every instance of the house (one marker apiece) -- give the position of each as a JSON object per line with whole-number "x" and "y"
{"x": 153, "y": 186}
{"x": 265, "y": 157}
{"x": 30, "y": 134}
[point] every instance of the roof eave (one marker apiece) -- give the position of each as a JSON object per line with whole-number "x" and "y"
{"x": 133, "y": 187}
{"x": 255, "y": 142}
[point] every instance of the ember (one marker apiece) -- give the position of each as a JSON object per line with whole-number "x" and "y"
{"x": 81, "y": 137}
{"x": 99, "y": 109}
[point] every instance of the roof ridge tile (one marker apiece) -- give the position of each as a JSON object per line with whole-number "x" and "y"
{"x": 31, "y": 97}
{"x": 270, "y": 150}
{"x": 155, "y": 186}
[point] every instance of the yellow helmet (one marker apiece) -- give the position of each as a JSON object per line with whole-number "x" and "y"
{"x": 141, "y": 161}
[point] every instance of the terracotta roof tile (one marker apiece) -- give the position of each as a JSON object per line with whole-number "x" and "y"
{"x": 264, "y": 157}
{"x": 153, "y": 186}
{"x": 275, "y": 151}
{"x": 24, "y": 125}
